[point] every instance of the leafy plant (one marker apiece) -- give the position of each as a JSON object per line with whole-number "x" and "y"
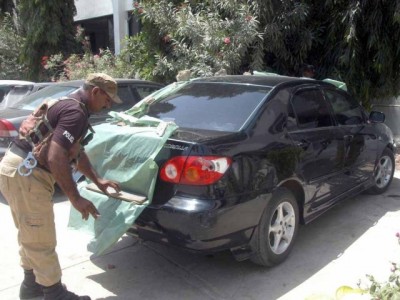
{"x": 78, "y": 66}
{"x": 389, "y": 290}
{"x": 48, "y": 29}
{"x": 10, "y": 48}
{"x": 373, "y": 290}
{"x": 203, "y": 37}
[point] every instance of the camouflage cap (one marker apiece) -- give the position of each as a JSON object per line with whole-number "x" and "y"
{"x": 106, "y": 83}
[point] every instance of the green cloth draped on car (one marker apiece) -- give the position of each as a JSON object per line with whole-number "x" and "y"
{"x": 124, "y": 154}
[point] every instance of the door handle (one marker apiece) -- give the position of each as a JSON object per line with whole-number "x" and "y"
{"x": 303, "y": 144}
{"x": 348, "y": 138}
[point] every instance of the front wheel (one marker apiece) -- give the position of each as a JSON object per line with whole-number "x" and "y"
{"x": 383, "y": 174}
{"x": 277, "y": 230}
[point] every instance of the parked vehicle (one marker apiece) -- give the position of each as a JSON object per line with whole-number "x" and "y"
{"x": 7, "y": 85}
{"x": 19, "y": 91}
{"x": 129, "y": 90}
{"x": 256, "y": 156}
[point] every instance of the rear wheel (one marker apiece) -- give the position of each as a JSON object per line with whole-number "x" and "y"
{"x": 383, "y": 173}
{"x": 277, "y": 230}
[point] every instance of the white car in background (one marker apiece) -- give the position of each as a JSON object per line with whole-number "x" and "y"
{"x": 7, "y": 85}
{"x": 11, "y": 91}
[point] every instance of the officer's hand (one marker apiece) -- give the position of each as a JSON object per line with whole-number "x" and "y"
{"x": 104, "y": 184}
{"x": 85, "y": 207}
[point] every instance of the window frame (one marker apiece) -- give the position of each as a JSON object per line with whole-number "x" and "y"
{"x": 292, "y": 110}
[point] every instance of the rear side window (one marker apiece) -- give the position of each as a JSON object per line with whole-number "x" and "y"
{"x": 144, "y": 91}
{"x": 310, "y": 109}
{"x": 128, "y": 97}
{"x": 210, "y": 106}
{"x": 347, "y": 111}
{"x": 33, "y": 100}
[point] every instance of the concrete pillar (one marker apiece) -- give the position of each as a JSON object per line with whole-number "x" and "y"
{"x": 120, "y": 17}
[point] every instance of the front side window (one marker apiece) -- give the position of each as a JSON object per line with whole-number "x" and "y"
{"x": 310, "y": 109}
{"x": 347, "y": 111}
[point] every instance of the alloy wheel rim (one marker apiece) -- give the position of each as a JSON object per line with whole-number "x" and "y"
{"x": 281, "y": 228}
{"x": 383, "y": 172}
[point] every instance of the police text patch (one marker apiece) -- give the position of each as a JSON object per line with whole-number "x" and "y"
{"x": 69, "y": 136}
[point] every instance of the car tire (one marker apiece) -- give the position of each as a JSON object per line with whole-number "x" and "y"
{"x": 277, "y": 230}
{"x": 383, "y": 174}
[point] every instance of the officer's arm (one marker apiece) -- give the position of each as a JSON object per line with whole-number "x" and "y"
{"x": 61, "y": 170}
{"x": 85, "y": 167}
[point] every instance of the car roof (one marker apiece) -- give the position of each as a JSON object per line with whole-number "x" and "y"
{"x": 270, "y": 80}
{"x": 15, "y": 82}
{"x": 44, "y": 83}
{"x": 78, "y": 83}
{"x": 267, "y": 80}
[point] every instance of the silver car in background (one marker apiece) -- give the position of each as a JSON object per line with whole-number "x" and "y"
{"x": 129, "y": 90}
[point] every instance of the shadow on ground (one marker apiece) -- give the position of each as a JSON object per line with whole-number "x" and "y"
{"x": 152, "y": 271}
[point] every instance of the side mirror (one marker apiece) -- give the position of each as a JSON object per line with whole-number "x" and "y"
{"x": 376, "y": 117}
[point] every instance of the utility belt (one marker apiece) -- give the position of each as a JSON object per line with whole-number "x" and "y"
{"x": 18, "y": 151}
{"x": 29, "y": 162}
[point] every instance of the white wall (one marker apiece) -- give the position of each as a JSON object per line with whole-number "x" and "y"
{"x": 89, "y": 9}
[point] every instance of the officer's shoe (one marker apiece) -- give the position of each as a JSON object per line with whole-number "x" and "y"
{"x": 29, "y": 288}
{"x": 60, "y": 292}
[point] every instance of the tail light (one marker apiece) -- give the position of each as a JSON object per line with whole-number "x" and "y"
{"x": 195, "y": 170}
{"x": 7, "y": 129}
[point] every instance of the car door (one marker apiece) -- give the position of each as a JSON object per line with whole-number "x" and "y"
{"x": 360, "y": 141}
{"x": 321, "y": 161}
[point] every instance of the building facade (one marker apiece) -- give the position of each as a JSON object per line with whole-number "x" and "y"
{"x": 107, "y": 22}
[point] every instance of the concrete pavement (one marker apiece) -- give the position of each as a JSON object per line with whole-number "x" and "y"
{"x": 355, "y": 238}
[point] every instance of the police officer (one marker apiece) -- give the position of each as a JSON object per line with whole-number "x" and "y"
{"x": 29, "y": 191}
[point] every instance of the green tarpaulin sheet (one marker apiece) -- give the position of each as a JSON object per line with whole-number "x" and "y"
{"x": 124, "y": 154}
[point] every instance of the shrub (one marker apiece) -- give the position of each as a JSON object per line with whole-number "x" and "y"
{"x": 78, "y": 66}
{"x": 10, "y": 49}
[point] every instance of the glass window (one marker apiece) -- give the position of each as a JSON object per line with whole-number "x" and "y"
{"x": 144, "y": 91}
{"x": 311, "y": 110}
{"x": 17, "y": 93}
{"x": 32, "y": 101}
{"x": 347, "y": 111}
{"x": 211, "y": 106}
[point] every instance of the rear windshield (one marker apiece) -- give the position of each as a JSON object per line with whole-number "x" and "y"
{"x": 33, "y": 100}
{"x": 210, "y": 106}
{"x": 17, "y": 93}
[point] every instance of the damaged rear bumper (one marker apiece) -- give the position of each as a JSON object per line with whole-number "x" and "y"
{"x": 200, "y": 225}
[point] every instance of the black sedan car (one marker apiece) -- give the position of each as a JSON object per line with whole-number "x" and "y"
{"x": 129, "y": 90}
{"x": 254, "y": 157}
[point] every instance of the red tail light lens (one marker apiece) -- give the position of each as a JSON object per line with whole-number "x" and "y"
{"x": 7, "y": 129}
{"x": 195, "y": 170}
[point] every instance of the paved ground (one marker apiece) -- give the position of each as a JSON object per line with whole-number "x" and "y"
{"x": 355, "y": 238}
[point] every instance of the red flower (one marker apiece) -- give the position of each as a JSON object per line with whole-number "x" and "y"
{"x": 398, "y": 234}
{"x": 136, "y": 4}
{"x": 227, "y": 40}
{"x": 44, "y": 60}
{"x": 167, "y": 38}
{"x": 140, "y": 10}
{"x": 248, "y": 18}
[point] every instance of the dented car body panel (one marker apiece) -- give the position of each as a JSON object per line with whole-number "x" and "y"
{"x": 274, "y": 142}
